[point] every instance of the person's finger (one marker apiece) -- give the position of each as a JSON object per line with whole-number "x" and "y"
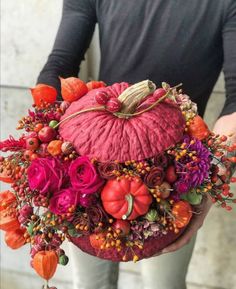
{"x": 183, "y": 240}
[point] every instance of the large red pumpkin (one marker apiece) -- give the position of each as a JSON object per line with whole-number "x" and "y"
{"x": 135, "y": 132}
{"x": 107, "y": 137}
{"x": 126, "y": 199}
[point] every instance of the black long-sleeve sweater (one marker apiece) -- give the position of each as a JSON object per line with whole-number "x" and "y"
{"x": 163, "y": 40}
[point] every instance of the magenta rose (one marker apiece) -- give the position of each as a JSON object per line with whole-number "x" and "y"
{"x": 84, "y": 177}
{"x": 63, "y": 200}
{"x": 45, "y": 175}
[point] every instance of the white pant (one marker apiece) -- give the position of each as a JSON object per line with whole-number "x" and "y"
{"x": 166, "y": 271}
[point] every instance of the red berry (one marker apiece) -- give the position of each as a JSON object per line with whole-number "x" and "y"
{"x": 113, "y": 105}
{"x": 158, "y": 93}
{"x": 34, "y": 157}
{"x": 38, "y": 127}
{"x": 223, "y": 138}
{"x": 101, "y": 97}
{"x": 32, "y": 143}
{"x": 27, "y": 155}
{"x": 233, "y": 180}
{"x": 123, "y": 226}
{"x": 47, "y": 134}
{"x": 171, "y": 176}
{"x": 223, "y": 205}
{"x": 225, "y": 193}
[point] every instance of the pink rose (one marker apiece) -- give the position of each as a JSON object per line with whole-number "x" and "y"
{"x": 84, "y": 177}
{"x": 45, "y": 175}
{"x": 63, "y": 200}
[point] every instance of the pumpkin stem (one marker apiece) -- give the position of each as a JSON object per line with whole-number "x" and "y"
{"x": 130, "y": 200}
{"x": 127, "y": 115}
{"x": 131, "y": 97}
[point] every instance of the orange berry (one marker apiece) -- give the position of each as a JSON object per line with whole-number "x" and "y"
{"x": 38, "y": 127}
{"x": 33, "y": 157}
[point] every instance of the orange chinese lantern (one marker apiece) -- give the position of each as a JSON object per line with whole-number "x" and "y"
{"x": 6, "y": 199}
{"x": 45, "y": 264}
{"x": 4, "y": 177}
{"x": 8, "y": 220}
{"x": 72, "y": 88}
{"x": 43, "y": 93}
{"x": 95, "y": 84}
{"x": 15, "y": 239}
{"x": 198, "y": 128}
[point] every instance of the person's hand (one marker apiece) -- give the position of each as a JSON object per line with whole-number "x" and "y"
{"x": 199, "y": 214}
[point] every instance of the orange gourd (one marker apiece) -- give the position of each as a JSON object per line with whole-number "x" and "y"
{"x": 6, "y": 199}
{"x": 45, "y": 264}
{"x": 8, "y": 220}
{"x": 43, "y": 93}
{"x": 54, "y": 147}
{"x": 72, "y": 88}
{"x": 198, "y": 128}
{"x": 15, "y": 239}
{"x": 182, "y": 212}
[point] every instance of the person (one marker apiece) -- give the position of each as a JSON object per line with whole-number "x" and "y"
{"x": 163, "y": 40}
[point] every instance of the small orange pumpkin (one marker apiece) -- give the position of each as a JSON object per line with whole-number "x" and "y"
{"x": 8, "y": 220}
{"x": 198, "y": 128}
{"x": 45, "y": 264}
{"x": 43, "y": 93}
{"x": 97, "y": 240}
{"x": 126, "y": 198}
{"x": 6, "y": 199}
{"x": 54, "y": 147}
{"x": 72, "y": 88}
{"x": 15, "y": 239}
{"x": 182, "y": 212}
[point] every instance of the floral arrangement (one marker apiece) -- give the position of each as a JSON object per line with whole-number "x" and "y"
{"x": 121, "y": 201}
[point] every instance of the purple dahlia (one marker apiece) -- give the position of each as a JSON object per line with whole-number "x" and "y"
{"x": 192, "y": 171}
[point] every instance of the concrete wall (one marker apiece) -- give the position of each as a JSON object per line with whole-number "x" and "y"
{"x": 28, "y": 30}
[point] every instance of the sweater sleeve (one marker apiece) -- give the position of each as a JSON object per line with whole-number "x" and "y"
{"x": 229, "y": 66}
{"x": 73, "y": 38}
